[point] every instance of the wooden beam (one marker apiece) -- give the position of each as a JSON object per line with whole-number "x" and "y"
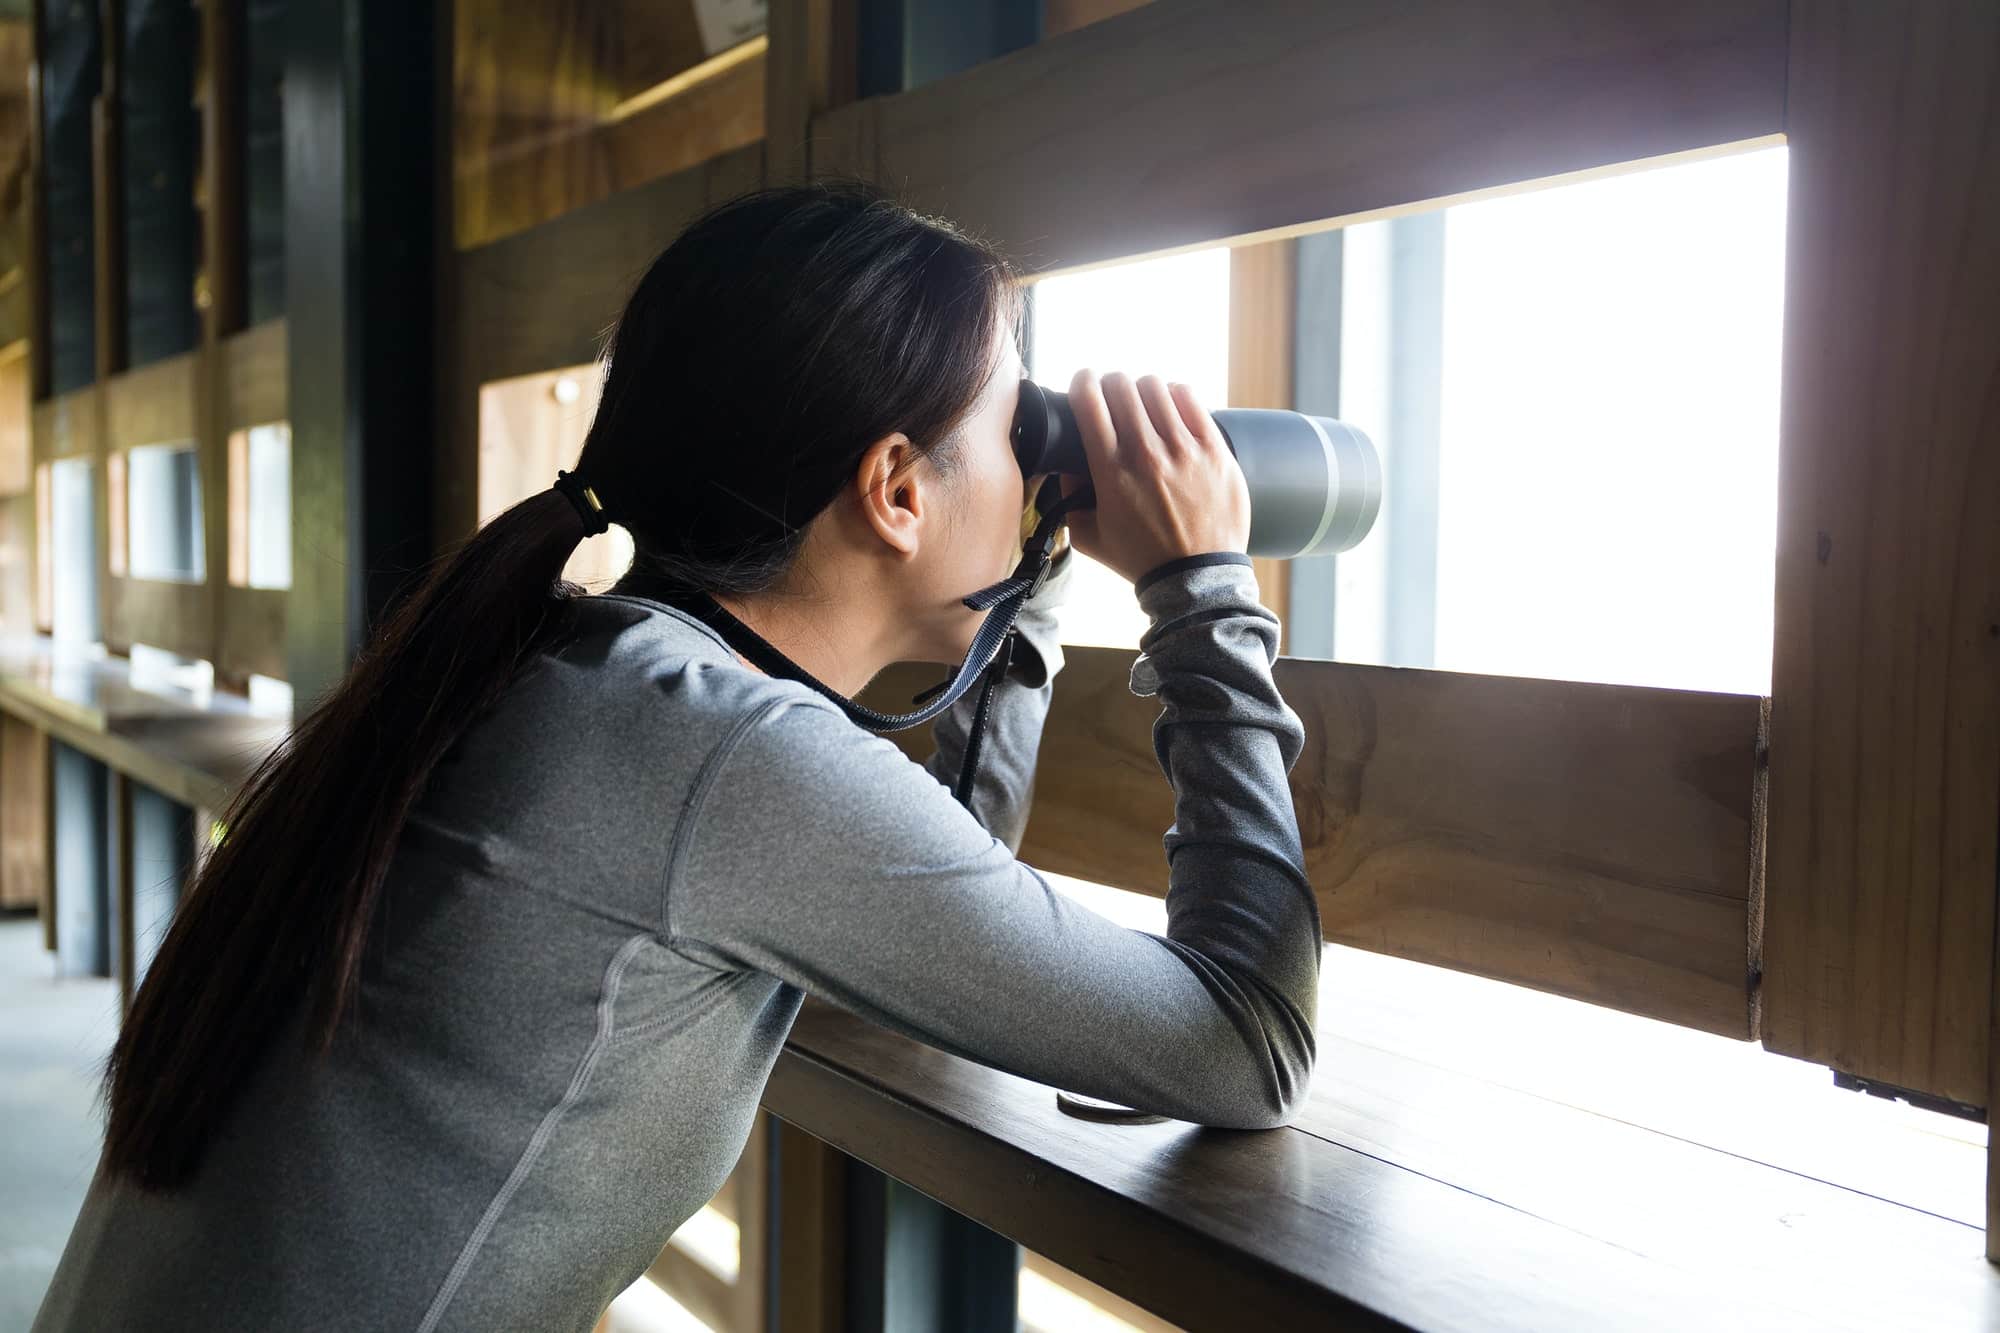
{"x": 34, "y": 251}
{"x": 108, "y": 196}
{"x": 252, "y": 633}
{"x": 812, "y": 70}
{"x": 125, "y": 942}
{"x": 253, "y": 375}
{"x": 1594, "y": 841}
{"x": 24, "y": 799}
{"x": 810, "y": 1232}
{"x": 1885, "y": 782}
{"x": 1283, "y": 1229}
{"x": 1185, "y": 122}
{"x": 162, "y": 613}
{"x": 1263, "y": 314}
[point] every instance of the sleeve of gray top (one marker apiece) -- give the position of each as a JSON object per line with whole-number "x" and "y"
{"x": 1003, "y": 788}
{"x": 817, "y": 853}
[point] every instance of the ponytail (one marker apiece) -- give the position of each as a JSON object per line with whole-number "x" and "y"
{"x": 274, "y": 920}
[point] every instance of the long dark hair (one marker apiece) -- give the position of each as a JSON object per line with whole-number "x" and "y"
{"x": 781, "y": 334}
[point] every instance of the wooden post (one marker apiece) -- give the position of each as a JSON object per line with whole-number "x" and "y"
{"x": 809, "y": 69}
{"x": 1885, "y": 709}
{"x": 1263, "y": 310}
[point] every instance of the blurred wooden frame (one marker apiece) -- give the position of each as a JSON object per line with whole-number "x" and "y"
{"x": 1869, "y": 945}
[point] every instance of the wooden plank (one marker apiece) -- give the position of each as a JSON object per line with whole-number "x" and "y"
{"x": 176, "y": 616}
{"x": 154, "y": 404}
{"x": 108, "y": 198}
{"x": 252, "y": 633}
{"x": 1226, "y": 1230}
{"x": 1879, "y": 931}
{"x": 1832, "y": 1257}
{"x": 811, "y": 1233}
{"x": 36, "y": 231}
{"x": 222, "y": 295}
{"x": 24, "y": 799}
{"x": 812, "y": 70}
{"x": 15, "y": 452}
{"x": 253, "y": 374}
{"x": 1593, "y": 841}
{"x": 1847, "y": 1259}
{"x": 1184, "y": 122}
{"x": 1263, "y": 312}
{"x": 125, "y": 943}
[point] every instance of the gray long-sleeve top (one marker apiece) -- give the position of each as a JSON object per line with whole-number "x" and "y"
{"x": 600, "y": 924}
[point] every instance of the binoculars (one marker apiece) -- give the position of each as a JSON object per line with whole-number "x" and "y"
{"x": 1315, "y": 483}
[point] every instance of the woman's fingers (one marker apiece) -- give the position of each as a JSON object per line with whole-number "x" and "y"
{"x": 1164, "y": 413}
{"x": 1093, "y": 420}
{"x": 1128, "y": 415}
{"x": 1195, "y": 417}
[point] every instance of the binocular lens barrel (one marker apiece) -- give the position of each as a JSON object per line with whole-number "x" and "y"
{"x": 1315, "y": 483}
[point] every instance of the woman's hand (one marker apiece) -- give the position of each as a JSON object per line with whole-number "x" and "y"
{"x": 1167, "y": 485}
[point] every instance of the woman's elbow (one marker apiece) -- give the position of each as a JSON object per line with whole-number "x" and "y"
{"x": 1267, "y": 1087}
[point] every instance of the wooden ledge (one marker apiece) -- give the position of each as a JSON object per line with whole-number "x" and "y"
{"x": 1404, "y": 1196}
{"x": 196, "y": 753}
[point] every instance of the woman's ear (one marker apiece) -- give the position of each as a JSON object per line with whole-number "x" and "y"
{"x": 896, "y": 491}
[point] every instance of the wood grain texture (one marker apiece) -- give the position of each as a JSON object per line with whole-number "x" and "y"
{"x": 811, "y": 70}
{"x": 811, "y": 1230}
{"x": 1283, "y": 1229}
{"x": 1593, "y": 841}
{"x": 1184, "y": 122}
{"x": 24, "y": 800}
{"x": 550, "y": 108}
{"x": 1822, "y": 1256}
{"x": 1885, "y": 782}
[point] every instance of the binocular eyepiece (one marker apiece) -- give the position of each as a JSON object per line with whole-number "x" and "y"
{"x": 1315, "y": 483}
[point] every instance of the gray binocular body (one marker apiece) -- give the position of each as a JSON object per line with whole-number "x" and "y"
{"x": 1315, "y": 483}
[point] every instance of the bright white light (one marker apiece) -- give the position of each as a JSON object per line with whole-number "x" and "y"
{"x": 713, "y": 1241}
{"x": 644, "y": 1308}
{"x": 1607, "y": 504}
{"x": 270, "y": 505}
{"x": 567, "y": 390}
{"x": 160, "y": 669}
{"x": 270, "y": 696}
{"x": 1166, "y": 317}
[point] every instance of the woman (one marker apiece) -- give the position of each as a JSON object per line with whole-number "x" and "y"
{"x": 474, "y": 1003}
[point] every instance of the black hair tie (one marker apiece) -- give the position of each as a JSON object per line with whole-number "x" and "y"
{"x": 588, "y": 507}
